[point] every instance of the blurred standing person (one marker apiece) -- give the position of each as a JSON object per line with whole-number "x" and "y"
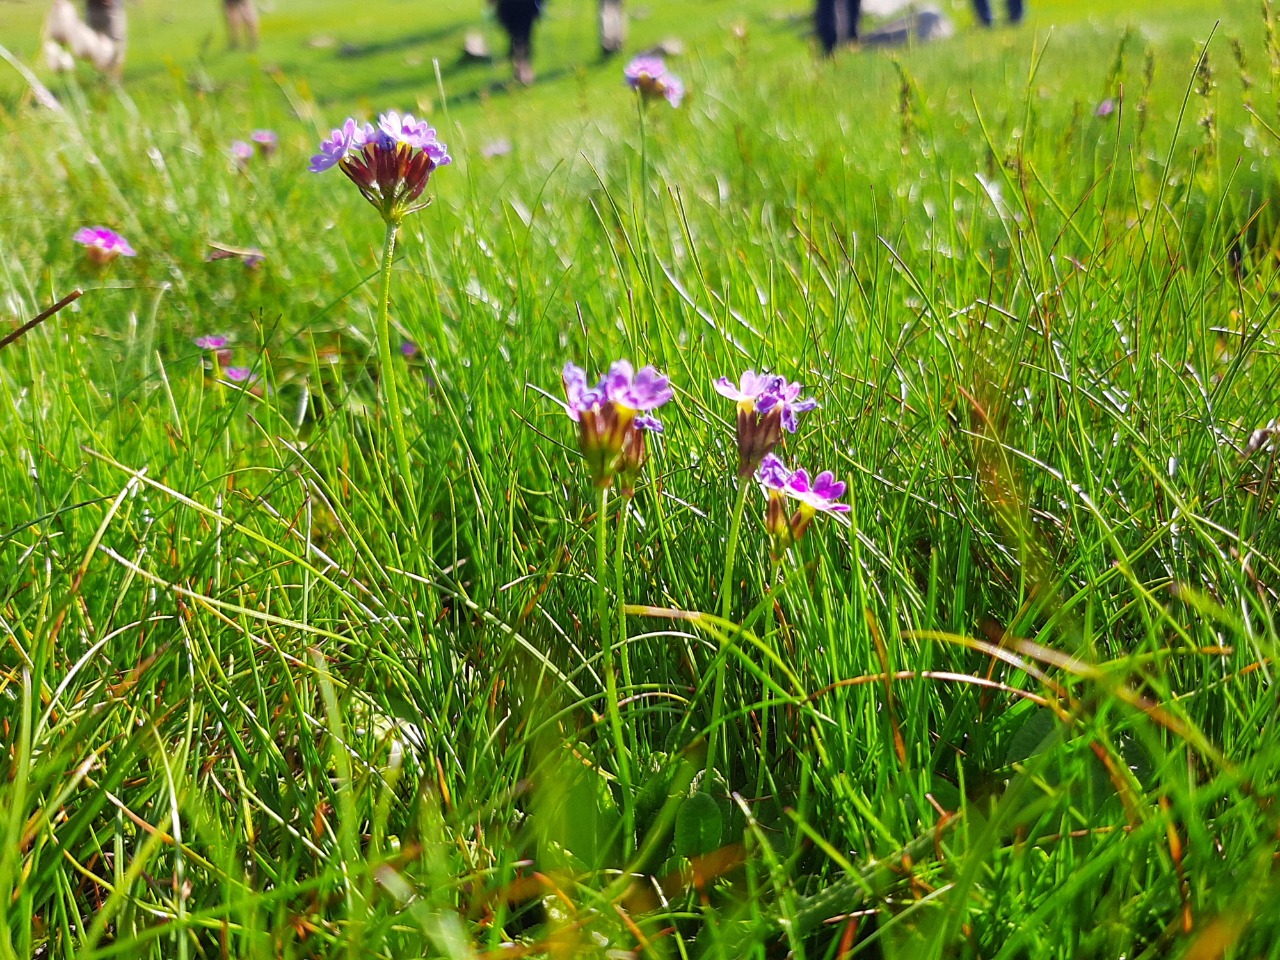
{"x": 242, "y": 23}
{"x": 983, "y": 9}
{"x": 517, "y": 18}
{"x": 836, "y": 22}
{"x": 99, "y": 38}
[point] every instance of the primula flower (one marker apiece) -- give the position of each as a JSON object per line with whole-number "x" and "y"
{"x": 819, "y": 495}
{"x": 390, "y": 163}
{"x": 649, "y": 76}
{"x": 613, "y": 418}
{"x": 211, "y": 342}
{"x": 767, "y": 405}
{"x": 266, "y": 141}
{"x": 103, "y": 245}
{"x": 784, "y": 396}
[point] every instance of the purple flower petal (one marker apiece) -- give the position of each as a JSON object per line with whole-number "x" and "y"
{"x": 333, "y": 150}
{"x": 649, "y": 390}
{"x": 238, "y": 374}
{"x": 211, "y": 342}
{"x": 647, "y": 421}
{"x": 772, "y": 473}
{"x": 106, "y": 242}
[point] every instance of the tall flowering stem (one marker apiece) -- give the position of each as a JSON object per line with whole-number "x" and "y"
{"x": 767, "y": 405}
{"x": 610, "y": 679}
{"x": 391, "y": 392}
{"x": 613, "y": 419}
{"x": 391, "y": 165}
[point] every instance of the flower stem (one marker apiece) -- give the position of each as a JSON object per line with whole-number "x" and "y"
{"x": 726, "y": 610}
{"x": 775, "y": 568}
{"x": 387, "y": 374}
{"x": 606, "y": 638}
{"x": 619, "y": 561}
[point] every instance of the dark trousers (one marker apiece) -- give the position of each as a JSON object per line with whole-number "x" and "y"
{"x": 827, "y": 22}
{"x": 983, "y": 9}
{"x": 517, "y": 17}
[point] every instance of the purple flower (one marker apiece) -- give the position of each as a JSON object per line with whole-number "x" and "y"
{"x": 647, "y": 390}
{"x": 266, "y": 141}
{"x": 238, "y": 374}
{"x": 103, "y": 245}
{"x": 211, "y": 342}
{"x": 579, "y": 397}
{"x": 253, "y": 259}
{"x": 785, "y": 396}
{"x": 408, "y": 349}
{"x": 751, "y": 387}
{"x": 772, "y": 474}
{"x": 767, "y": 405}
{"x": 650, "y": 77}
{"x": 336, "y": 148}
{"x": 390, "y": 163}
{"x": 821, "y": 494}
{"x": 1105, "y": 109}
{"x": 496, "y": 148}
{"x": 241, "y": 152}
{"x": 613, "y": 418}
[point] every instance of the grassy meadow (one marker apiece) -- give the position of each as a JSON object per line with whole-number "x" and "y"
{"x": 262, "y": 694}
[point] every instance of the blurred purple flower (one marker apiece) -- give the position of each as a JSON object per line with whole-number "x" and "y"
{"x": 238, "y": 374}
{"x": 211, "y": 342}
{"x": 266, "y": 141}
{"x": 496, "y": 148}
{"x": 649, "y": 76}
{"x": 408, "y": 349}
{"x": 103, "y": 245}
{"x": 241, "y": 153}
{"x": 1105, "y": 109}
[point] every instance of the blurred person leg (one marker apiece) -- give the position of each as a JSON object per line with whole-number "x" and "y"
{"x": 613, "y": 26}
{"x": 1015, "y": 11}
{"x": 853, "y": 13}
{"x": 517, "y": 18}
{"x": 107, "y": 19}
{"x": 982, "y": 8}
{"x": 824, "y": 22}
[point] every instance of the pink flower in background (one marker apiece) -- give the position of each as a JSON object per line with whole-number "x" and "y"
{"x": 103, "y": 245}
{"x": 650, "y": 78}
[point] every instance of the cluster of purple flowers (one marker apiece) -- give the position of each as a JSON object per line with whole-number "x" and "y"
{"x": 819, "y": 495}
{"x": 102, "y": 245}
{"x": 650, "y": 77}
{"x": 263, "y": 142}
{"x": 216, "y": 344}
{"x": 767, "y": 405}
{"x": 390, "y": 163}
{"x": 613, "y": 417}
